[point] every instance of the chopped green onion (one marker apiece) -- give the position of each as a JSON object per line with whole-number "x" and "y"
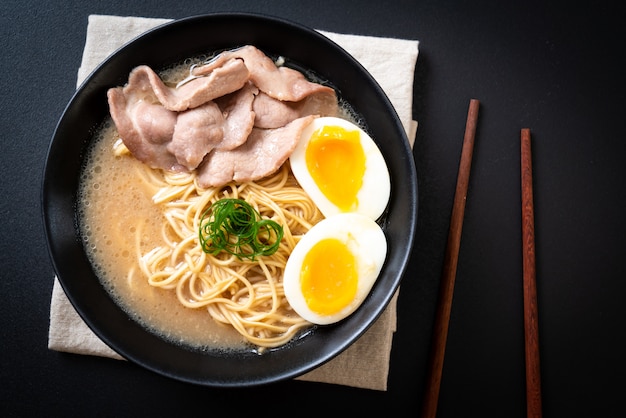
{"x": 235, "y": 227}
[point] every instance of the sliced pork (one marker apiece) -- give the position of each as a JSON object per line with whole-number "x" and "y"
{"x": 196, "y": 132}
{"x": 222, "y": 80}
{"x": 273, "y": 113}
{"x": 237, "y": 118}
{"x": 261, "y": 155}
{"x": 281, "y": 83}
{"x": 145, "y": 127}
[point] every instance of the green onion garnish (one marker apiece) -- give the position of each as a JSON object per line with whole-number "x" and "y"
{"x": 234, "y": 226}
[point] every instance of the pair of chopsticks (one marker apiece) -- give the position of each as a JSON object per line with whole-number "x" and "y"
{"x": 442, "y": 316}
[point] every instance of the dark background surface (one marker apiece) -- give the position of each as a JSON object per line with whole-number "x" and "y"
{"x": 554, "y": 68}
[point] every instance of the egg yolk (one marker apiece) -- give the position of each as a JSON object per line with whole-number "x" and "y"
{"x": 336, "y": 161}
{"x": 329, "y": 278}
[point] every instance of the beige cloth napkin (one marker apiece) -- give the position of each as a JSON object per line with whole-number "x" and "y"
{"x": 392, "y": 63}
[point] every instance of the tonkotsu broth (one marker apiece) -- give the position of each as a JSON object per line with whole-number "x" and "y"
{"x": 113, "y": 205}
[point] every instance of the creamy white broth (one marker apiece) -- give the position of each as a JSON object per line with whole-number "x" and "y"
{"x": 113, "y": 205}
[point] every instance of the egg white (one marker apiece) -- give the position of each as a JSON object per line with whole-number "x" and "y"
{"x": 366, "y": 241}
{"x": 375, "y": 191}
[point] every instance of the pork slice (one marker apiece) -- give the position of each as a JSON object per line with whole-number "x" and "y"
{"x": 229, "y": 77}
{"x": 273, "y": 113}
{"x": 261, "y": 155}
{"x": 144, "y": 126}
{"x": 217, "y": 61}
{"x": 196, "y": 133}
{"x": 322, "y": 103}
{"x": 290, "y": 84}
{"x": 238, "y": 116}
{"x": 281, "y": 83}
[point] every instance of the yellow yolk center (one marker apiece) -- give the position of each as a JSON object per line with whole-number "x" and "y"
{"x": 329, "y": 277}
{"x": 336, "y": 161}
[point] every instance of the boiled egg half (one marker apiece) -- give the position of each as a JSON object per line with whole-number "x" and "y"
{"x": 341, "y": 168}
{"x": 334, "y": 266}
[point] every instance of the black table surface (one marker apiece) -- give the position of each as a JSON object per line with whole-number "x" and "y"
{"x": 555, "y": 69}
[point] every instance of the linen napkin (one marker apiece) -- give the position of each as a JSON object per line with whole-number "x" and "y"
{"x": 392, "y": 63}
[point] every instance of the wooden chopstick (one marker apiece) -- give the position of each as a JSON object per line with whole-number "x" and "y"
{"x": 446, "y": 290}
{"x": 531, "y": 333}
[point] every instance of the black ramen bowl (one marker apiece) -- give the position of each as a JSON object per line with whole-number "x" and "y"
{"x": 88, "y": 108}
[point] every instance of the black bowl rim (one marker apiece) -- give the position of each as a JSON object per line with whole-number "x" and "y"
{"x": 305, "y": 361}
